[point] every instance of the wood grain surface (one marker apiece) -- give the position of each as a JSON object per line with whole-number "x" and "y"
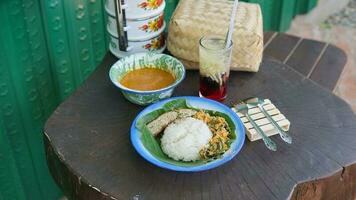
{"x": 90, "y": 155}
{"x": 319, "y": 61}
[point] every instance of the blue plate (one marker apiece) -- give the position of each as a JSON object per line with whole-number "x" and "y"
{"x": 195, "y": 102}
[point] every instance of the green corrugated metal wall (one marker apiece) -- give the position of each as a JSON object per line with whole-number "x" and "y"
{"x": 277, "y": 14}
{"x": 47, "y": 48}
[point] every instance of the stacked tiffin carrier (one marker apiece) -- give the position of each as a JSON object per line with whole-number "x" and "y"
{"x": 135, "y": 26}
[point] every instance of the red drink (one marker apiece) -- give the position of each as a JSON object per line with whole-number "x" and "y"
{"x": 211, "y": 89}
{"x": 214, "y": 67}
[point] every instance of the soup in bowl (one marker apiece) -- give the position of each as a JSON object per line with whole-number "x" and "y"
{"x": 145, "y": 78}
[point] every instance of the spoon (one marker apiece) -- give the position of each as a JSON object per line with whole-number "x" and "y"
{"x": 254, "y": 101}
{"x": 242, "y": 108}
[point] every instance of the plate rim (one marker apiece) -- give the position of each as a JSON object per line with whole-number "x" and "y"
{"x": 144, "y": 153}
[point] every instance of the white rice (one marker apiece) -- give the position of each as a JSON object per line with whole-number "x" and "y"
{"x": 183, "y": 139}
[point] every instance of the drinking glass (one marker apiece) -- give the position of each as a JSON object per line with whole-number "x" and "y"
{"x": 214, "y": 67}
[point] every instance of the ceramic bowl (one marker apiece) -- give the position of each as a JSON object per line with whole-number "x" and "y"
{"x": 139, "y": 29}
{"x": 156, "y": 44}
{"x": 195, "y": 102}
{"x": 137, "y": 9}
{"x": 142, "y": 60}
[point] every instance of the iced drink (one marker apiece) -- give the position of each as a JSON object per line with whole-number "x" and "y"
{"x": 214, "y": 68}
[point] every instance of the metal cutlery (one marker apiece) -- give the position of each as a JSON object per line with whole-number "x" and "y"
{"x": 243, "y": 109}
{"x": 254, "y": 101}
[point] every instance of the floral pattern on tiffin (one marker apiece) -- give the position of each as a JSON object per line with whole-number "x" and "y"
{"x": 155, "y": 44}
{"x": 154, "y": 25}
{"x": 150, "y": 4}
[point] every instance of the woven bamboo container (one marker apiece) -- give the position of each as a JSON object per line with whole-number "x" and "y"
{"x": 193, "y": 19}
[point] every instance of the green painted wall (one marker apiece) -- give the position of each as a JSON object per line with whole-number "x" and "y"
{"x": 47, "y": 49}
{"x": 277, "y": 14}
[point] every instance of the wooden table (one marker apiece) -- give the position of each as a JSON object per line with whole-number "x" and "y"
{"x": 90, "y": 155}
{"x": 319, "y": 61}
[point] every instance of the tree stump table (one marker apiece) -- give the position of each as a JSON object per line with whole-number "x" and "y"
{"x": 319, "y": 61}
{"x": 90, "y": 155}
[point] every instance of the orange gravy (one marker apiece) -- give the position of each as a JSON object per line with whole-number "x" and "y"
{"x": 147, "y": 79}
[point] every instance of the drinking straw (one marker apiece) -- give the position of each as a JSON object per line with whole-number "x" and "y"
{"x": 232, "y": 22}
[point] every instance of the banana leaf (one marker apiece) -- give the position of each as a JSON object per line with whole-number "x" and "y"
{"x": 153, "y": 144}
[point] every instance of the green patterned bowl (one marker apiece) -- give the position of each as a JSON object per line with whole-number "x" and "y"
{"x": 142, "y": 60}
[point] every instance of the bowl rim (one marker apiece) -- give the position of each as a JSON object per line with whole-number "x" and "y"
{"x": 227, "y": 156}
{"x": 120, "y": 86}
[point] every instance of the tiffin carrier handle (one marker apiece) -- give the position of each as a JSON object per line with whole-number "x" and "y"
{"x": 121, "y": 24}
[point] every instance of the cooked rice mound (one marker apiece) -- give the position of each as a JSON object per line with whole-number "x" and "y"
{"x": 183, "y": 139}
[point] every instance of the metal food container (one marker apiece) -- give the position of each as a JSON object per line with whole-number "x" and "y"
{"x": 135, "y": 26}
{"x": 139, "y": 29}
{"x": 137, "y": 9}
{"x": 156, "y": 44}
